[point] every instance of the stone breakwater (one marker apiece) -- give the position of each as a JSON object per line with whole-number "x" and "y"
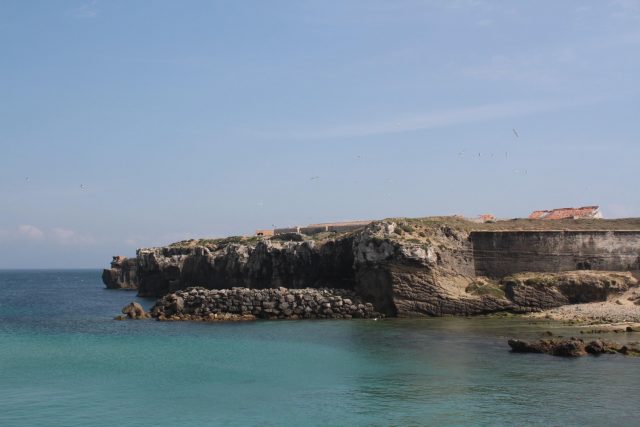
{"x": 249, "y": 304}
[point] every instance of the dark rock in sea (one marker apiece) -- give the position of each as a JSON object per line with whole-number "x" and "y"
{"x": 134, "y": 310}
{"x": 571, "y": 347}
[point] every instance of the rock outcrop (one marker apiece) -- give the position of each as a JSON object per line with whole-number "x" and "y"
{"x": 123, "y": 273}
{"x": 405, "y": 268}
{"x": 134, "y": 311}
{"x": 248, "y": 304}
{"x": 571, "y": 347}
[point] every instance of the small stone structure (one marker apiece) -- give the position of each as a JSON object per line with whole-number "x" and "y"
{"x": 336, "y": 227}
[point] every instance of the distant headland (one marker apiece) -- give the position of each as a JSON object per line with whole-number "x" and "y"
{"x": 433, "y": 266}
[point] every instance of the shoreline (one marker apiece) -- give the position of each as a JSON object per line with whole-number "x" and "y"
{"x": 617, "y": 311}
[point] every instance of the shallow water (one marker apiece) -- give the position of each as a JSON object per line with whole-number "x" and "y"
{"x": 64, "y": 361}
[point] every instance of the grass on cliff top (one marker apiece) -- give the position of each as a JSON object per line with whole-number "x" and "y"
{"x": 217, "y": 243}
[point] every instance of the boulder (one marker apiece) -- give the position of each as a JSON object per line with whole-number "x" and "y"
{"x": 571, "y": 347}
{"x": 134, "y": 310}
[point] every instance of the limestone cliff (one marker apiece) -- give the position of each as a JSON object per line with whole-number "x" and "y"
{"x": 405, "y": 267}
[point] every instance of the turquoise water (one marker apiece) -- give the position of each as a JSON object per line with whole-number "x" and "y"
{"x": 64, "y": 361}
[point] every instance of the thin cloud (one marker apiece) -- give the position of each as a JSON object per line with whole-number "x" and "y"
{"x": 87, "y": 10}
{"x": 434, "y": 119}
{"x": 65, "y": 236}
{"x": 30, "y": 232}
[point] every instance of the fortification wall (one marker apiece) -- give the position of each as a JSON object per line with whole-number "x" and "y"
{"x": 498, "y": 254}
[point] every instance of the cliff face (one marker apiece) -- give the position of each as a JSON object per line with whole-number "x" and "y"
{"x": 404, "y": 269}
{"x": 123, "y": 273}
{"x": 265, "y": 264}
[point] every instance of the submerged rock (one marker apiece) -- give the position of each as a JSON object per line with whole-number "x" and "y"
{"x": 571, "y": 347}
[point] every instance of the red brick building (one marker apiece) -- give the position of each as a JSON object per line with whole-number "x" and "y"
{"x": 585, "y": 212}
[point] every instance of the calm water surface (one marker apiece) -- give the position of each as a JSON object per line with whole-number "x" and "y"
{"x": 64, "y": 361}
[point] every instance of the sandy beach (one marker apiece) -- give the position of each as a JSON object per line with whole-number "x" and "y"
{"x": 618, "y": 311}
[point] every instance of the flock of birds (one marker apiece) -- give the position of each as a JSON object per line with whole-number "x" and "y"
{"x": 460, "y": 154}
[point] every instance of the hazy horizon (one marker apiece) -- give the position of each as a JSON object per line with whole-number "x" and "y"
{"x": 129, "y": 124}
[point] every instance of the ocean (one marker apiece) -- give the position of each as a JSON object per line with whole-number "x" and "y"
{"x": 64, "y": 361}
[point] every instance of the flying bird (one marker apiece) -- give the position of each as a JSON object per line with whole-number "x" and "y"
{"x": 82, "y": 186}
{"x": 313, "y": 178}
{"x": 515, "y": 132}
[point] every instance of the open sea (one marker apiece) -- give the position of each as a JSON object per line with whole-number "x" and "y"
{"x": 64, "y": 361}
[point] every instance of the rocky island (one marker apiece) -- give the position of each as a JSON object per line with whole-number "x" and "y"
{"x": 432, "y": 266}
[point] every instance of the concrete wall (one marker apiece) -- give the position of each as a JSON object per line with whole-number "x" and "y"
{"x": 498, "y": 254}
{"x": 343, "y": 228}
{"x": 313, "y": 229}
{"x": 286, "y": 230}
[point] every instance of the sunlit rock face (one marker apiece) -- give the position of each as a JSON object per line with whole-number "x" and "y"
{"x": 403, "y": 268}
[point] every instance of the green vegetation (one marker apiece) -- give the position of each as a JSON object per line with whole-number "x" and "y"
{"x": 485, "y": 287}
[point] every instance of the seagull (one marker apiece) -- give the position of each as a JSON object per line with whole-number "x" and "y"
{"x": 460, "y": 153}
{"x": 26, "y": 179}
{"x": 515, "y": 132}
{"x": 82, "y": 186}
{"x": 314, "y": 178}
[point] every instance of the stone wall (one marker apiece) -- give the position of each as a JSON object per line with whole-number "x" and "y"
{"x": 247, "y": 304}
{"x": 498, "y": 254}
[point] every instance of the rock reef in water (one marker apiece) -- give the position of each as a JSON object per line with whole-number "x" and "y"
{"x": 133, "y": 311}
{"x": 431, "y": 266}
{"x": 572, "y": 347}
{"x": 249, "y": 304}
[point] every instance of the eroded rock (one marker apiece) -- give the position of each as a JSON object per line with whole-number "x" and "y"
{"x": 571, "y": 347}
{"x": 134, "y": 310}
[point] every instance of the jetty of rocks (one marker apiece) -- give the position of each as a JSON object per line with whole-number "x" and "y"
{"x": 238, "y": 304}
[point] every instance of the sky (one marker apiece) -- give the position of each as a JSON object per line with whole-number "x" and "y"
{"x": 127, "y": 124}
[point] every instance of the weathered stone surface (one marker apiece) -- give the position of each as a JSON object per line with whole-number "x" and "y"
{"x": 538, "y": 291}
{"x": 571, "y": 347}
{"x": 248, "y": 304}
{"x": 123, "y": 274}
{"x": 134, "y": 310}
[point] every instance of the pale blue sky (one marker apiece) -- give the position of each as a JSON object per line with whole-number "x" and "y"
{"x": 209, "y": 118}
